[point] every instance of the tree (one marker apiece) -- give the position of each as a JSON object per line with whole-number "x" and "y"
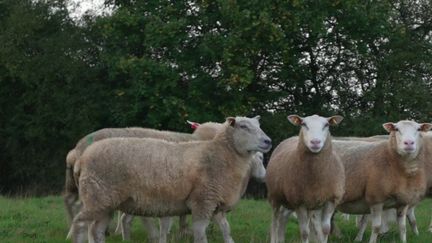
{"x": 46, "y": 99}
{"x": 157, "y": 63}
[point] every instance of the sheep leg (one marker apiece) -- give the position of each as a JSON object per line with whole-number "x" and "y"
{"x": 202, "y": 211}
{"x": 73, "y": 204}
{"x": 303, "y": 218}
{"x": 69, "y": 201}
{"x": 184, "y": 228}
{"x": 274, "y": 225}
{"x": 279, "y": 220}
{"x": 79, "y": 228}
{"x": 199, "y": 227}
{"x": 89, "y": 232}
{"x": 313, "y": 234}
{"x": 126, "y": 224}
{"x": 76, "y": 207}
{"x": 376, "y": 213}
{"x": 316, "y": 220}
{"x": 401, "y": 218}
{"x": 169, "y": 224}
{"x": 119, "y": 226}
{"x": 361, "y": 224}
{"x": 165, "y": 225}
{"x": 98, "y": 228}
{"x": 385, "y": 217}
{"x": 412, "y": 220}
{"x": 224, "y": 226}
{"x": 282, "y": 221}
{"x": 334, "y": 228}
{"x": 70, "y": 196}
{"x": 430, "y": 226}
{"x": 327, "y": 214}
{"x": 358, "y": 219}
{"x": 152, "y": 231}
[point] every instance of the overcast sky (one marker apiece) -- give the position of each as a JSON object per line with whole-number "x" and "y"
{"x": 79, "y": 7}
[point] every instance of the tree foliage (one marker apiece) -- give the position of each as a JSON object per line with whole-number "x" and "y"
{"x": 157, "y": 63}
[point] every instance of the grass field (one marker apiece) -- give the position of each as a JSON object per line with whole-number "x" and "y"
{"x": 43, "y": 220}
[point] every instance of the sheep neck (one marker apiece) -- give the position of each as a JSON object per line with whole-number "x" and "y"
{"x": 232, "y": 165}
{"x": 225, "y": 139}
{"x": 408, "y": 163}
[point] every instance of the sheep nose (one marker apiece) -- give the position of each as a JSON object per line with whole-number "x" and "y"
{"x": 268, "y": 141}
{"x": 315, "y": 141}
{"x": 409, "y": 142}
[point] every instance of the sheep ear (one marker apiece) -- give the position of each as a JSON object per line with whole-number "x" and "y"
{"x": 194, "y": 125}
{"x": 295, "y": 120}
{"x": 389, "y": 126}
{"x": 257, "y": 117}
{"x": 424, "y": 127}
{"x": 231, "y": 121}
{"x": 334, "y": 120}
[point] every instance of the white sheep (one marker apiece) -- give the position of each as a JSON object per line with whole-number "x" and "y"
{"x": 305, "y": 174}
{"x": 387, "y": 174}
{"x": 388, "y": 215}
{"x": 257, "y": 171}
{"x": 152, "y": 177}
{"x": 205, "y": 132}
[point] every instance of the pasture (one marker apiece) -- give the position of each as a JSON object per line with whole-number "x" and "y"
{"x": 44, "y": 220}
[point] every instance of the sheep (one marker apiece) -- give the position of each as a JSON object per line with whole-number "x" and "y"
{"x": 386, "y": 174}
{"x": 70, "y": 195}
{"x": 160, "y": 178}
{"x": 257, "y": 171}
{"x": 304, "y": 174}
{"x": 345, "y": 149}
{"x": 71, "y": 199}
{"x": 203, "y": 131}
{"x": 389, "y": 214}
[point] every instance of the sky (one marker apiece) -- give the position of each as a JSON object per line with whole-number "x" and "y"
{"x": 78, "y": 7}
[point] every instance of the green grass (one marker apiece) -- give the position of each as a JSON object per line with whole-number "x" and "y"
{"x": 44, "y": 220}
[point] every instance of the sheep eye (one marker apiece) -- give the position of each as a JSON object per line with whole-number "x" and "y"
{"x": 396, "y": 129}
{"x": 326, "y": 125}
{"x": 244, "y": 127}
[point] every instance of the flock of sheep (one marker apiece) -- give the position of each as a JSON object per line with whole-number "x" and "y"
{"x": 152, "y": 173}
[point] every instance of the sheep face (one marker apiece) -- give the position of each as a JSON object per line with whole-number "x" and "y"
{"x": 257, "y": 167}
{"x": 407, "y": 135}
{"x": 248, "y": 136}
{"x": 314, "y": 129}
